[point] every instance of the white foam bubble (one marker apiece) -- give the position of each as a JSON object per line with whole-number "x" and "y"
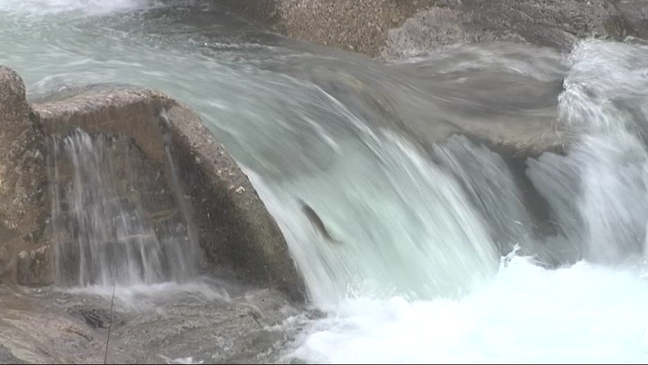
{"x": 527, "y": 314}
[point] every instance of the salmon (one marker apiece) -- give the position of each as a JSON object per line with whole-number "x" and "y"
{"x": 317, "y": 222}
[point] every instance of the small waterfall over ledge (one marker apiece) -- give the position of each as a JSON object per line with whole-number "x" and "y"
{"x": 114, "y": 220}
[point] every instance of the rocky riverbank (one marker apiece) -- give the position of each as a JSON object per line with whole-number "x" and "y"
{"x": 394, "y": 29}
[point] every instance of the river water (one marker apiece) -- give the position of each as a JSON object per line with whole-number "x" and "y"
{"x": 427, "y": 270}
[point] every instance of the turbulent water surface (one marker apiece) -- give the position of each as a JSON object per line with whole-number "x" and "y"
{"x": 418, "y": 276}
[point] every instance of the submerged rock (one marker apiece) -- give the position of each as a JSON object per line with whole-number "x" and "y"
{"x": 151, "y": 327}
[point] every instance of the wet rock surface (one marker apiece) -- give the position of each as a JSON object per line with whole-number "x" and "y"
{"x": 394, "y": 29}
{"x": 221, "y": 332}
{"x": 224, "y": 202}
{"x": 156, "y": 326}
{"x": 36, "y": 267}
{"x": 98, "y": 179}
{"x": 23, "y": 207}
{"x": 548, "y": 23}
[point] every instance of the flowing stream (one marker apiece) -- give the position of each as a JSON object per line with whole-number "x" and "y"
{"x": 427, "y": 270}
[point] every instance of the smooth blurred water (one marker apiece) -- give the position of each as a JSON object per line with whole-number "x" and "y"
{"x": 103, "y": 232}
{"x": 418, "y": 276}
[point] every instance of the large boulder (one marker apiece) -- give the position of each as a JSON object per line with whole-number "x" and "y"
{"x": 635, "y": 13}
{"x": 229, "y": 220}
{"x": 355, "y": 25}
{"x": 399, "y": 28}
{"x": 23, "y": 209}
{"x": 226, "y": 216}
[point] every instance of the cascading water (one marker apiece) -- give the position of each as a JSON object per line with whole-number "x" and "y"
{"x": 103, "y": 233}
{"x": 605, "y": 103}
{"x": 393, "y": 241}
{"x": 491, "y": 186}
{"x": 415, "y": 277}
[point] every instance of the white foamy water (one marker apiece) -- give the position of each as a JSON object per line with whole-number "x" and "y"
{"x": 526, "y": 314}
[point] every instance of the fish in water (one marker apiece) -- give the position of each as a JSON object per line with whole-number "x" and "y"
{"x": 317, "y": 222}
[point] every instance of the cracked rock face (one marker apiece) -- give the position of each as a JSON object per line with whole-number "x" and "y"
{"x": 22, "y": 178}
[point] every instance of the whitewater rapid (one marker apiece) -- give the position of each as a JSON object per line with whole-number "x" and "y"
{"x": 585, "y": 312}
{"x": 525, "y": 314}
{"x": 418, "y": 279}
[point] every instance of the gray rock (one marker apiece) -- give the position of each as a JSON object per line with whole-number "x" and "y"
{"x": 353, "y": 25}
{"x": 635, "y": 13}
{"x": 36, "y": 267}
{"x": 548, "y": 23}
{"x": 231, "y": 223}
{"x": 394, "y": 29}
{"x": 50, "y": 327}
{"x": 22, "y": 176}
